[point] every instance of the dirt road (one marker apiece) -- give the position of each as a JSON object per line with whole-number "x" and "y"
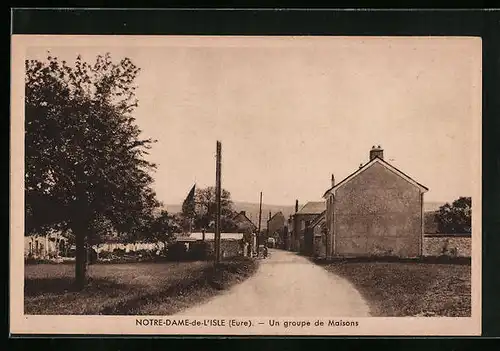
{"x": 287, "y": 285}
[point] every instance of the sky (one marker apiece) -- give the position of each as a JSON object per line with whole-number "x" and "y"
{"x": 291, "y": 111}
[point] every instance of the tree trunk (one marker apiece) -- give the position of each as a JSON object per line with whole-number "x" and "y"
{"x": 81, "y": 259}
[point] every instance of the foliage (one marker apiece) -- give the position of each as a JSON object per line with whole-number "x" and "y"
{"x": 455, "y": 218}
{"x": 85, "y": 158}
{"x": 206, "y": 210}
{"x": 177, "y": 251}
{"x": 200, "y": 251}
{"x": 162, "y": 228}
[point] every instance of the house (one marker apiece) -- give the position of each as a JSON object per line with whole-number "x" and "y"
{"x": 377, "y": 210}
{"x": 244, "y": 224}
{"x": 317, "y": 230}
{"x": 302, "y": 240}
{"x": 276, "y": 228}
{"x": 288, "y": 233}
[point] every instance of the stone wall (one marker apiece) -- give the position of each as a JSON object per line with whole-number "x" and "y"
{"x": 451, "y": 245}
{"x": 228, "y": 248}
{"x": 231, "y": 248}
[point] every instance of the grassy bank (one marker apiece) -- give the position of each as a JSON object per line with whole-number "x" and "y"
{"x": 129, "y": 289}
{"x": 409, "y": 288}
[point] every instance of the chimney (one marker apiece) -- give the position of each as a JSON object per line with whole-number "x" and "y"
{"x": 376, "y": 151}
{"x": 333, "y": 180}
{"x": 360, "y": 165}
{"x": 243, "y": 213}
{"x": 296, "y": 206}
{"x": 269, "y": 215}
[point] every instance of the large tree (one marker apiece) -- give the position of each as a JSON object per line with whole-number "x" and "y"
{"x": 162, "y": 228}
{"x": 206, "y": 210}
{"x": 85, "y": 158}
{"x": 455, "y": 218}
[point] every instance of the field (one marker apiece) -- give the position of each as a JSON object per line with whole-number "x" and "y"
{"x": 128, "y": 289}
{"x": 396, "y": 289}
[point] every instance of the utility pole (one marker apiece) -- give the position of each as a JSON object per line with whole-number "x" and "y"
{"x": 267, "y": 229}
{"x": 260, "y": 219}
{"x": 218, "y": 203}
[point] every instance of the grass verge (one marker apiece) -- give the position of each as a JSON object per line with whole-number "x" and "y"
{"x": 395, "y": 289}
{"x": 129, "y": 289}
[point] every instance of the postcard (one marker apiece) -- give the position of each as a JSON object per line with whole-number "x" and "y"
{"x": 245, "y": 185}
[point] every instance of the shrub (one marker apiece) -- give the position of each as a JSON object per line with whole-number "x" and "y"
{"x": 105, "y": 255}
{"x": 177, "y": 251}
{"x": 119, "y": 252}
{"x": 455, "y": 218}
{"x": 200, "y": 251}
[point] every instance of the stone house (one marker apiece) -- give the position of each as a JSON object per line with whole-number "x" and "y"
{"x": 317, "y": 230}
{"x": 377, "y": 210}
{"x": 246, "y": 226}
{"x": 302, "y": 239}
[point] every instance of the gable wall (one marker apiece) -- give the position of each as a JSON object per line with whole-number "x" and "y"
{"x": 377, "y": 213}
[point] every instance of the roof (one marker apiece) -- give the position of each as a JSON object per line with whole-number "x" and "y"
{"x": 274, "y": 215}
{"x": 383, "y": 163}
{"x": 210, "y": 236}
{"x": 244, "y": 217}
{"x": 318, "y": 219}
{"x": 312, "y": 207}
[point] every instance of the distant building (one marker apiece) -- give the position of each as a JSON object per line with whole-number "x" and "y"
{"x": 288, "y": 234}
{"x": 302, "y": 239}
{"x": 244, "y": 224}
{"x": 317, "y": 230}
{"x": 377, "y": 210}
{"x": 276, "y": 229}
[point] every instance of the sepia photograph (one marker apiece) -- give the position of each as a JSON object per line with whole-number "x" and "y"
{"x": 246, "y": 185}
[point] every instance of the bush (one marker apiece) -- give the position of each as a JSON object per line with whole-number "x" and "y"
{"x": 105, "y": 255}
{"x": 71, "y": 253}
{"x": 119, "y": 252}
{"x": 92, "y": 256}
{"x": 455, "y": 218}
{"x": 200, "y": 251}
{"x": 177, "y": 252}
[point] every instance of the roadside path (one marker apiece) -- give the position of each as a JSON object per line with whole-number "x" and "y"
{"x": 286, "y": 285}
